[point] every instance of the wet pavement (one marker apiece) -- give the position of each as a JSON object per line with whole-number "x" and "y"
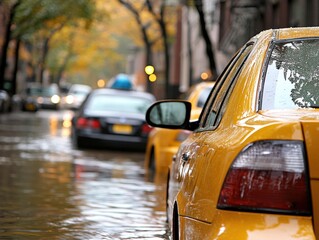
{"x": 48, "y": 190}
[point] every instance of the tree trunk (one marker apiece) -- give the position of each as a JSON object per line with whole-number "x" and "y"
{"x": 16, "y": 67}
{"x": 146, "y": 40}
{"x": 63, "y": 66}
{"x": 42, "y": 64}
{"x": 190, "y": 50}
{"x": 161, "y": 22}
{"x": 5, "y": 46}
{"x": 167, "y": 59}
{"x": 209, "y": 45}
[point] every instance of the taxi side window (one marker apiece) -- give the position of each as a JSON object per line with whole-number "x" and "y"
{"x": 219, "y": 98}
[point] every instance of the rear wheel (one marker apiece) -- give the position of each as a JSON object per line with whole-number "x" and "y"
{"x": 175, "y": 230}
{"x": 152, "y": 165}
{"x": 80, "y": 143}
{"x": 77, "y": 142}
{"x": 167, "y": 187}
{"x": 2, "y": 108}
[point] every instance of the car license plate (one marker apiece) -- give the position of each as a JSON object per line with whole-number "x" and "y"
{"x": 124, "y": 129}
{"x": 30, "y": 106}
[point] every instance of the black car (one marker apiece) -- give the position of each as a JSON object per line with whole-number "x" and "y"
{"x": 113, "y": 119}
{"x": 29, "y": 98}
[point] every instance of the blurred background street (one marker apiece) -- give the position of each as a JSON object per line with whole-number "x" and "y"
{"x": 54, "y": 54}
{"x": 51, "y": 191}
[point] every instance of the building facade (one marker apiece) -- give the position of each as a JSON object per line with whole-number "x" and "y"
{"x": 231, "y": 23}
{"x": 242, "y": 19}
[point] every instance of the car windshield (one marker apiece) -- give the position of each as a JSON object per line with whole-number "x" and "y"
{"x": 128, "y": 104}
{"x": 292, "y": 77}
{"x": 33, "y": 91}
{"x": 79, "y": 92}
{"x": 203, "y": 97}
{"x": 49, "y": 91}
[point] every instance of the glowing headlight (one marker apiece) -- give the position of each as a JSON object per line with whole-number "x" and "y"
{"x": 40, "y": 100}
{"x": 69, "y": 99}
{"x": 55, "y": 99}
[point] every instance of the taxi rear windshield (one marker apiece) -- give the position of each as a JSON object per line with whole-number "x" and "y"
{"x": 292, "y": 76}
{"x": 118, "y": 103}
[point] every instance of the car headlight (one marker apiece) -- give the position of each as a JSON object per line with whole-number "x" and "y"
{"x": 55, "y": 99}
{"x": 69, "y": 99}
{"x": 40, "y": 100}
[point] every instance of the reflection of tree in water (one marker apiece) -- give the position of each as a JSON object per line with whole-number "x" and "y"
{"x": 299, "y": 63}
{"x": 173, "y": 119}
{"x": 158, "y": 116}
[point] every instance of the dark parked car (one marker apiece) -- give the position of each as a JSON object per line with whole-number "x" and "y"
{"x": 50, "y": 97}
{"x": 75, "y": 96}
{"x": 112, "y": 118}
{"x": 29, "y": 98}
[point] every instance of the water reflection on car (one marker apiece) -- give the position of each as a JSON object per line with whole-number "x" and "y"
{"x": 112, "y": 118}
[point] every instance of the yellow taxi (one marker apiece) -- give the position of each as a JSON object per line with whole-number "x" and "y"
{"x": 250, "y": 167}
{"x": 162, "y": 144}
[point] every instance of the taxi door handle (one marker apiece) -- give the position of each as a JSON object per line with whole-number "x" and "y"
{"x": 186, "y": 156}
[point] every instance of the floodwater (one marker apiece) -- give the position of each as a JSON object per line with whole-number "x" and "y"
{"x": 48, "y": 190}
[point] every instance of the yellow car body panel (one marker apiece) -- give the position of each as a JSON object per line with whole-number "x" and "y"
{"x": 162, "y": 144}
{"x": 195, "y": 184}
{"x": 250, "y": 226}
{"x": 199, "y": 200}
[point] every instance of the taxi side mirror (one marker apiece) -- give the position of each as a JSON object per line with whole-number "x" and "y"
{"x": 169, "y": 114}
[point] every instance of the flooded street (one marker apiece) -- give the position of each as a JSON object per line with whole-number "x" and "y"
{"x": 51, "y": 191}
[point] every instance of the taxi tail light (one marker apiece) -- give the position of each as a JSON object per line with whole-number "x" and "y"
{"x": 268, "y": 177}
{"x": 146, "y": 129}
{"x": 87, "y": 123}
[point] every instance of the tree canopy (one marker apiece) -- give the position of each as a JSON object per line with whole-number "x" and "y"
{"x": 79, "y": 40}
